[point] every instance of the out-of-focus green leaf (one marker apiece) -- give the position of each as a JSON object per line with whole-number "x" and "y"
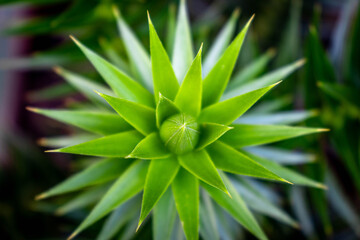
{"x": 100, "y": 172}
{"x": 50, "y": 93}
{"x": 235, "y": 207}
{"x": 164, "y": 214}
{"x": 265, "y": 80}
{"x": 286, "y": 173}
{"x": 250, "y": 135}
{"x": 200, "y": 165}
{"x": 252, "y": 70}
{"x": 151, "y": 147}
{"x": 183, "y": 47}
{"x": 103, "y": 123}
{"x": 138, "y": 56}
{"x": 221, "y": 41}
{"x": 281, "y": 156}
{"x": 170, "y": 29}
{"x": 106, "y": 146}
{"x": 215, "y": 82}
{"x": 123, "y": 85}
{"x": 208, "y": 228}
{"x": 261, "y": 204}
{"x": 186, "y": 193}
{"x": 113, "y": 56}
{"x": 188, "y": 99}
{"x": 164, "y": 109}
{"x": 286, "y": 117}
{"x": 231, "y": 160}
{"x": 63, "y": 141}
{"x": 210, "y": 132}
{"x": 163, "y": 74}
{"x": 119, "y": 218}
{"x": 160, "y": 175}
{"x": 128, "y": 185}
{"x": 141, "y": 117}
{"x": 229, "y": 110}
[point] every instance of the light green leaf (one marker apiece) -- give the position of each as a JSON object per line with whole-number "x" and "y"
{"x": 200, "y": 165}
{"x": 100, "y": 172}
{"x": 259, "y": 203}
{"x": 188, "y": 99}
{"x": 164, "y": 109}
{"x": 186, "y": 193}
{"x": 119, "y": 218}
{"x": 281, "y": 156}
{"x": 235, "y": 207}
{"x": 160, "y": 175}
{"x": 141, "y": 117}
{"x": 231, "y": 160}
{"x": 208, "y": 224}
{"x": 220, "y": 43}
{"x": 164, "y": 214}
{"x": 163, "y": 74}
{"x": 252, "y": 70}
{"x": 286, "y": 117}
{"x": 151, "y": 147}
{"x": 116, "y": 145}
{"x": 83, "y": 200}
{"x": 215, "y": 82}
{"x": 103, "y": 123}
{"x": 128, "y": 185}
{"x": 67, "y": 140}
{"x": 138, "y": 56}
{"x": 183, "y": 46}
{"x": 286, "y": 173}
{"x": 229, "y": 110}
{"x": 123, "y": 85}
{"x": 250, "y": 135}
{"x": 265, "y": 80}
{"x": 85, "y": 86}
{"x": 210, "y": 132}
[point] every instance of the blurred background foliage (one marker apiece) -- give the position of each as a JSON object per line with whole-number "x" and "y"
{"x": 34, "y": 39}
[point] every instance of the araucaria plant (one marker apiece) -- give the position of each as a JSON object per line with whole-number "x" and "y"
{"x": 173, "y": 132}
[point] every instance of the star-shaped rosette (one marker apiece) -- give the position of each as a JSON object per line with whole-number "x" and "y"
{"x": 172, "y": 129}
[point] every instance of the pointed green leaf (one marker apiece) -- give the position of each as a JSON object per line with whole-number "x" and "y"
{"x": 215, "y": 82}
{"x": 103, "y": 123}
{"x": 67, "y": 140}
{"x": 250, "y": 135}
{"x": 186, "y": 193}
{"x": 252, "y": 70}
{"x": 49, "y": 93}
{"x": 266, "y": 80}
{"x": 231, "y": 160}
{"x": 163, "y": 74}
{"x": 100, "y": 172}
{"x": 285, "y": 117}
{"x": 236, "y": 207}
{"x": 228, "y": 111}
{"x": 164, "y": 109}
{"x": 128, "y": 185}
{"x": 201, "y": 166}
{"x": 188, "y": 99}
{"x": 220, "y": 43}
{"x": 183, "y": 46}
{"x": 137, "y": 54}
{"x": 210, "y": 132}
{"x": 164, "y": 214}
{"x": 259, "y": 203}
{"x": 141, "y": 117}
{"x": 123, "y": 85}
{"x": 116, "y": 145}
{"x": 85, "y": 86}
{"x": 151, "y": 147}
{"x": 286, "y": 173}
{"x": 160, "y": 175}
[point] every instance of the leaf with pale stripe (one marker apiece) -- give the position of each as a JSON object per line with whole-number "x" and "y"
{"x": 160, "y": 175}
{"x": 141, "y": 117}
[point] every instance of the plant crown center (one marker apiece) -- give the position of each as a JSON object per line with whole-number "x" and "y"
{"x": 180, "y": 133}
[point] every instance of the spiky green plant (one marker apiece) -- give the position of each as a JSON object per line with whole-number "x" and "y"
{"x": 172, "y": 127}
